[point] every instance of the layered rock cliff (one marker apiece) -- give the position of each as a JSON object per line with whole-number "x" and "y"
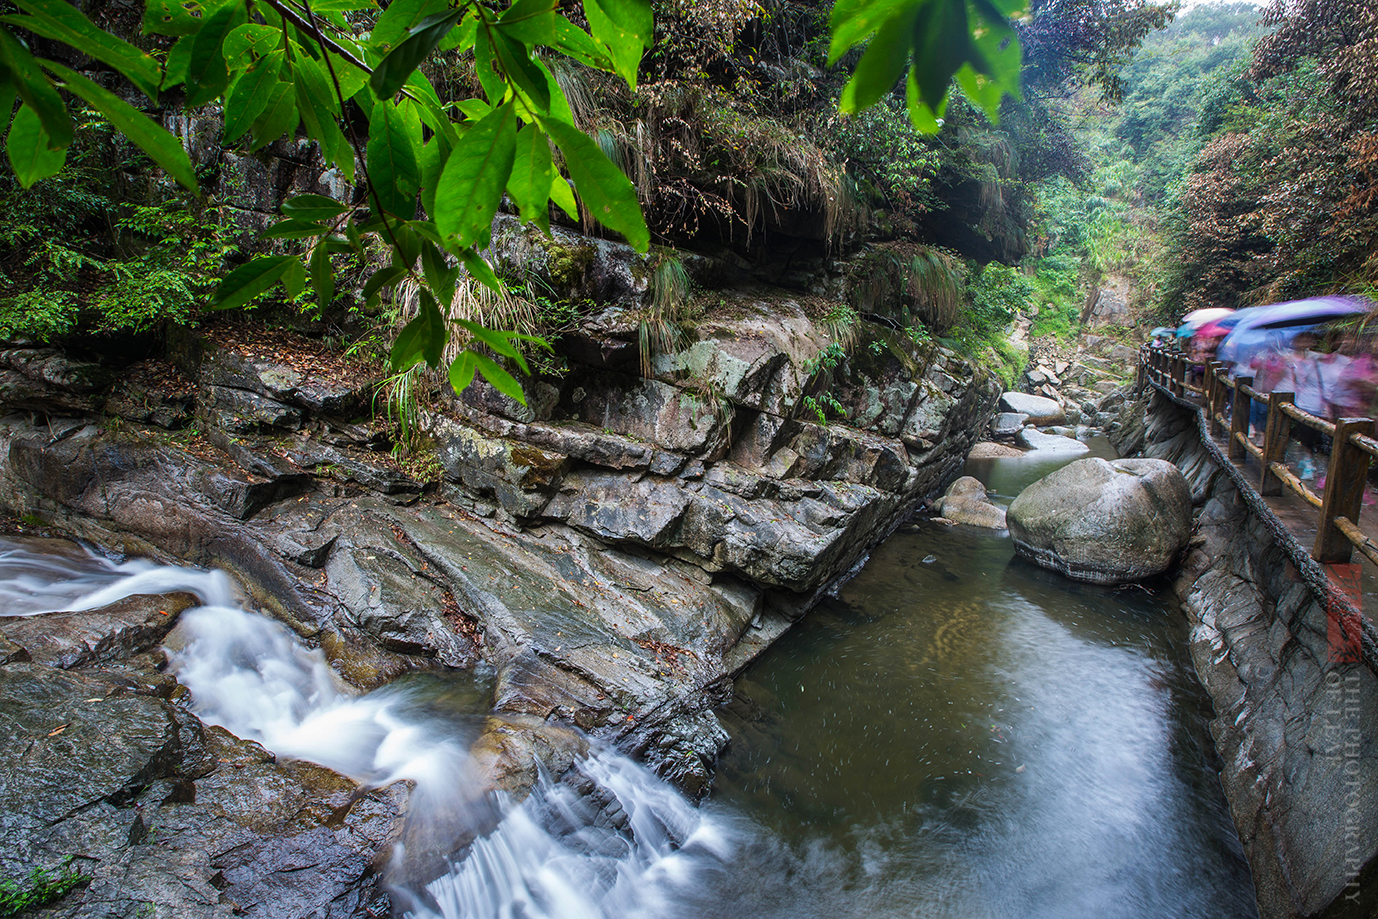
{"x": 615, "y": 551}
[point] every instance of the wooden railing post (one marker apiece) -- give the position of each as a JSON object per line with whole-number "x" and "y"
{"x": 1215, "y": 403}
{"x": 1239, "y": 417}
{"x": 1179, "y": 370}
{"x": 1275, "y": 438}
{"x": 1344, "y": 490}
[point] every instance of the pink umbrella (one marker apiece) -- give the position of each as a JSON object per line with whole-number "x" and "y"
{"x": 1214, "y": 330}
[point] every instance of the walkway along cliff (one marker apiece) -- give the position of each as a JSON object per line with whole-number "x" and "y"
{"x": 1295, "y": 697}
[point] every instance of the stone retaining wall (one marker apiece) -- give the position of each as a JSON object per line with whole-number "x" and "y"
{"x": 1294, "y": 725}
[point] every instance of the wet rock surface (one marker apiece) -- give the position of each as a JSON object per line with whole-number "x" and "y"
{"x": 616, "y": 550}
{"x": 1106, "y": 522}
{"x": 108, "y": 775}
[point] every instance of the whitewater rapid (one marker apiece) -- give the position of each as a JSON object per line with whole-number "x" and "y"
{"x": 635, "y": 849}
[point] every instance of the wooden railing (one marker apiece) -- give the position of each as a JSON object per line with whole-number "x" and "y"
{"x": 1353, "y": 446}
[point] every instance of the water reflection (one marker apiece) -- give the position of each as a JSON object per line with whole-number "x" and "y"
{"x": 961, "y": 733}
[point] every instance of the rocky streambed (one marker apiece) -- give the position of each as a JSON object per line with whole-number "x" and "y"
{"x": 611, "y": 555}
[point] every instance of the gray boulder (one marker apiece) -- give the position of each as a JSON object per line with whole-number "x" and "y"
{"x": 1008, "y": 424}
{"x": 1102, "y": 521}
{"x": 1039, "y": 409}
{"x": 1049, "y": 443}
{"x": 965, "y": 501}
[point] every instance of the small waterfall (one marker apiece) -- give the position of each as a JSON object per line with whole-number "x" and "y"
{"x": 37, "y": 582}
{"x": 615, "y": 842}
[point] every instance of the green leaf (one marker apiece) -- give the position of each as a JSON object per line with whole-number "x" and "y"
{"x": 207, "y": 75}
{"x": 406, "y": 243}
{"x": 472, "y": 182}
{"x": 279, "y": 116}
{"x": 522, "y": 74}
{"x": 942, "y": 43}
{"x": 38, "y": 94}
{"x": 312, "y": 207}
{"x": 351, "y": 78}
{"x": 342, "y": 6}
{"x": 485, "y": 67}
{"x": 500, "y": 379}
{"x": 248, "y": 98}
{"x": 27, "y": 148}
{"x": 462, "y": 371}
{"x": 393, "y": 136}
{"x": 883, "y": 63}
{"x": 531, "y": 22}
{"x": 59, "y": 20}
{"x": 399, "y": 19}
{"x": 854, "y": 21}
{"x": 625, "y": 28}
{"x": 432, "y": 111}
{"x": 563, "y": 196}
{"x": 421, "y": 339}
{"x": 576, "y": 43}
{"x": 149, "y": 136}
{"x": 433, "y": 157}
{"x": 461, "y": 38}
{"x": 249, "y": 42}
{"x": 319, "y": 108}
{"x": 499, "y": 341}
{"x": 439, "y": 275}
{"x": 529, "y": 184}
{"x": 481, "y": 271}
{"x": 176, "y": 17}
{"x": 606, "y": 192}
{"x": 319, "y": 88}
{"x": 381, "y": 278}
{"x": 923, "y": 118}
{"x": 178, "y": 60}
{"x": 245, "y": 283}
{"x": 294, "y": 280}
{"x": 394, "y": 69}
{"x": 559, "y": 105}
{"x": 355, "y": 239}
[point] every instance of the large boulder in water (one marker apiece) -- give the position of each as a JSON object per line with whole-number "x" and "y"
{"x": 1102, "y": 521}
{"x": 1049, "y": 443}
{"x": 1040, "y": 409}
{"x": 965, "y": 501}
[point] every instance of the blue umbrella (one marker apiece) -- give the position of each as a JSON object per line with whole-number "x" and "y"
{"x": 1240, "y": 346}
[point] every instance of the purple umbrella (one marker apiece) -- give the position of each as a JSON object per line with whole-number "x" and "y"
{"x": 1303, "y": 312}
{"x": 1274, "y": 326}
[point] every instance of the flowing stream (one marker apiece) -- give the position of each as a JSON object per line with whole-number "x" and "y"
{"x": 957, "y": 734}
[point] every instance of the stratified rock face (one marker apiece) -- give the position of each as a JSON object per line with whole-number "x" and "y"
{"x": 616, "y": 549}
{"x": 1040, "y": 409}
{"x": 1102, "y": 521}
{"x": 965, "y": 501}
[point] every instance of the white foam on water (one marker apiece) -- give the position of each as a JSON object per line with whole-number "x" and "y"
{"x": 551, "y": 856}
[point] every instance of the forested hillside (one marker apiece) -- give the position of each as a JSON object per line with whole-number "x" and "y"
{"x": 1240, "y": 167}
